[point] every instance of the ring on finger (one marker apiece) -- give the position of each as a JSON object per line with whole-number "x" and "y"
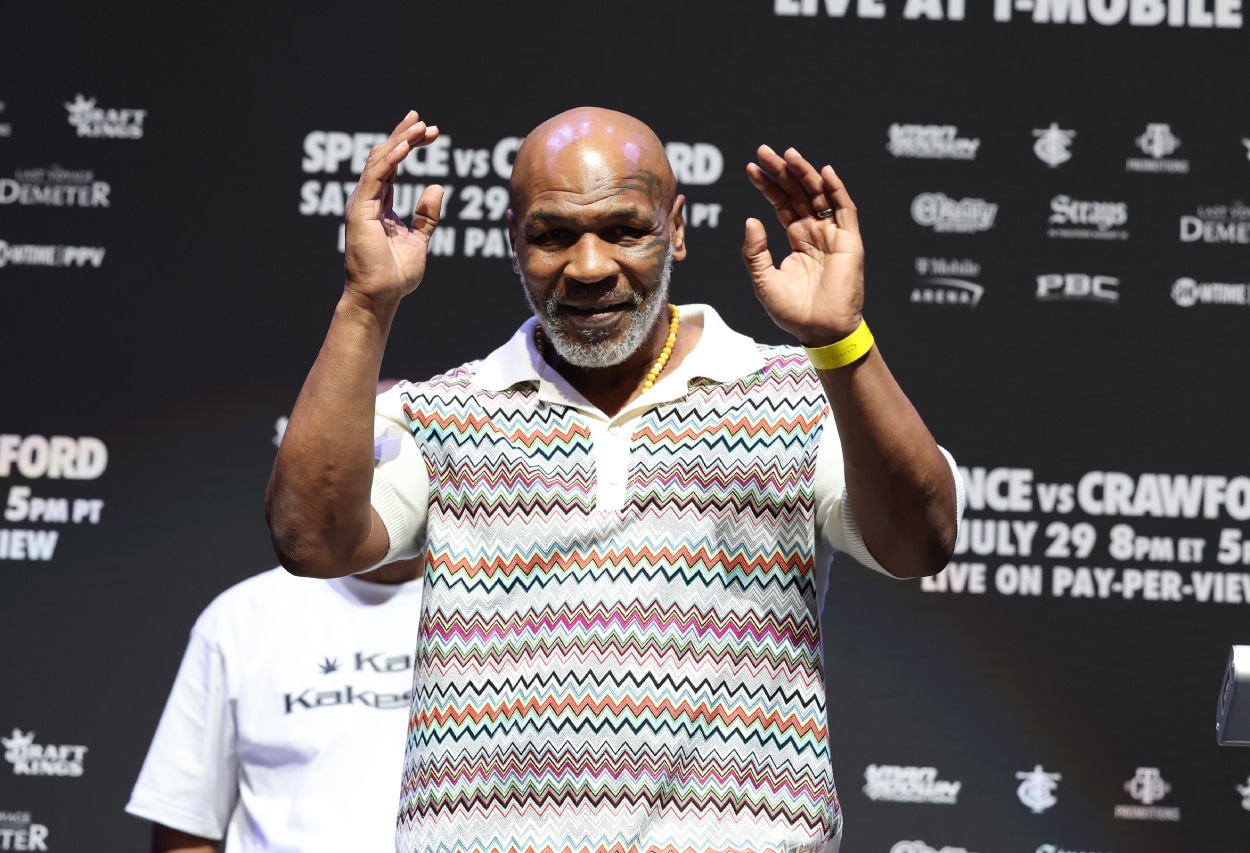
{"x": 825, "y": 214}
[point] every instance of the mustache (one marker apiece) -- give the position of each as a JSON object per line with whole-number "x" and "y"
{"x": 630, "y": 297}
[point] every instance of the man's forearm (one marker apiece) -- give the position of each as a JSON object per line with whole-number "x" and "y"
{"x": 317, "y": 502}
{"x": 898, "y": 482}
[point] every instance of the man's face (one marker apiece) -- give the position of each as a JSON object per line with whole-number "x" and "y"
{"x": 594, "y": 243}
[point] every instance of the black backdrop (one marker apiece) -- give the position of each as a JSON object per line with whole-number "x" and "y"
{"x": 169, "y": 265}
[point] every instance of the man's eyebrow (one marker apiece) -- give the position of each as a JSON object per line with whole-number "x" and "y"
{"x": 631, "y": 211}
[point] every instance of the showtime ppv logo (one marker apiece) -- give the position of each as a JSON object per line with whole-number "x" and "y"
{"x": 32, "y": 759}
{"x": 1187, "y": 292}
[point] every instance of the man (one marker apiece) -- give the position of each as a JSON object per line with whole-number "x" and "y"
{"x": 285, "y": 725}
{"x": 620, "y": 508}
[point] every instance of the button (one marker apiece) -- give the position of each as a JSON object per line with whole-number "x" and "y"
{"x": 614, "y": 480}
{"x": 614, "y": 429}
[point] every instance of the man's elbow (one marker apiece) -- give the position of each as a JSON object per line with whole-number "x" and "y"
{"x": 926, "y": 554}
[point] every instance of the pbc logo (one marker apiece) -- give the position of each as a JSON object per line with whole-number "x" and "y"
{"x": 1088, "y": 288}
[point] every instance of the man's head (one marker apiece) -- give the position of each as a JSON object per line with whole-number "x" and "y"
{"x": 596, "y": 223}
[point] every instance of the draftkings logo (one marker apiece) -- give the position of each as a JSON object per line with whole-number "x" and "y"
{"x": 100, "y": 123}
{"x": 1217, "y": 223}
{"x": 894, "y": 784}
{"x": 1052, "y": 145}
{"x": 1055, "y": 287}
{"x": 1037, "y": 790}
{"x": 946, "y": 215}
{"x": 32, "y": 759}
{"x": 945, "y": 282}
{"x": 1187, "y": 292}
{"x": 19, "y": 832}
{"x": 1158, "y": 142}
{"x": 1075, "y": 219}
{"x": 1147, "y": 787}
{"x": 921, "y": 847}
{"x": 931, "y": 142}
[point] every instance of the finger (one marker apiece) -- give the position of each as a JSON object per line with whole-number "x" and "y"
{"x": 776, "y": 196}
{"x": 809, "y": 179}
{"x": 428, "y": 210}
{"x": 787, "y": 177}
{"x": 845, "y": 212}
{"x": 755, "y": 252}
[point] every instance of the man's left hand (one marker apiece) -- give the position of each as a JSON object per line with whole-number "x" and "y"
{"x": 817, "y": 293}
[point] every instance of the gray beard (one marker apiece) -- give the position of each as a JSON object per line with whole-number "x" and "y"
{"x": 589, "y": 349}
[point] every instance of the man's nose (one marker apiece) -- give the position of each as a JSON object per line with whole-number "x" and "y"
{"x": 591, "y": 260}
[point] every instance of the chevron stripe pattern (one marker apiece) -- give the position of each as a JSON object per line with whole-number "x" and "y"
{"x": 637, "y": 680}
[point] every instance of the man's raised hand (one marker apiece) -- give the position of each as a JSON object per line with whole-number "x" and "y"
{"x": 384, "y": 255}
{"x": 817, "y": 293}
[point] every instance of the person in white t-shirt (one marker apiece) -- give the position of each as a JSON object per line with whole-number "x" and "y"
{"x": 285, "y": 727}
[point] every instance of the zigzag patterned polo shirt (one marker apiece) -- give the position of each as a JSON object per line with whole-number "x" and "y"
{"x": 620, "y": 645}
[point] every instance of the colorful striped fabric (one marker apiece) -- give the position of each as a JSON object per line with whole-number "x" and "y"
{"x": 637, "y": 680}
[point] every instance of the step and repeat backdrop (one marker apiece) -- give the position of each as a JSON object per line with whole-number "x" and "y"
{"x": 1055, "y": 198}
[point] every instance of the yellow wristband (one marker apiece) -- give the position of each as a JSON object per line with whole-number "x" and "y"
{"x": 841, "y": 353}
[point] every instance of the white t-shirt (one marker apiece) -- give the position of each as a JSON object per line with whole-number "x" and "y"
{"x": 292, "y": 703}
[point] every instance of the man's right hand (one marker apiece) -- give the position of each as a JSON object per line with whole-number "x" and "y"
{"x": 385, "y": 256}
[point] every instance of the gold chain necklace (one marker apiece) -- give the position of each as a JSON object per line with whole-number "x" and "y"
{"x": 657, "y": 368}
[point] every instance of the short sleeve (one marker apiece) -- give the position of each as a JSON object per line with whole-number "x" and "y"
{"x": 189, "y": 779}
{"x": 401, "y": 481}
{"x": 834, "y": 515}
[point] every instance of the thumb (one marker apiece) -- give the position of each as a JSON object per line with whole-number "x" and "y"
{"x": 428, "y": 209}
{"x": 755, "y": 252}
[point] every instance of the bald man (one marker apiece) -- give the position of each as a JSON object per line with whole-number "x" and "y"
{"x": 627, "y": 510}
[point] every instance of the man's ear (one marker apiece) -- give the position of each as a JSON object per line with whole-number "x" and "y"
{"x": 516, "y": 266}
{"x": 678, "y": 218}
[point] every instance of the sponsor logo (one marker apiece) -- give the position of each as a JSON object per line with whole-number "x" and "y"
{"x": 921, "y": 847}
{"x": 1074, "y": 219}
{"x": 1037, "y": 790}
{"x": 895, "y": 784}
{"x": 1158, "y": 142}
{"x": 944, "y": 282}
{"x": 1187, "y": 292}
{"x": 32, "y": 759}
{"x": 6, "y": 129}
{"x": 931, "y": 142}
{"x": 54, "y": 187}
{"x": 1079, "y": 286}
{"x": 1055, "y": 848}
{"x": 1147, "y": 787}
{"x": 1246, "y": 142}
{"x": 1244, "y": 790}
{"x": 100, "y": 123}
{"x": 49, "y": 255}
{"x": 1052, "y": 145}
{"x": 944, "y": 214}
{"x": 19, "y": 832}
{"x": 1138, "y": 13}
{"x": 1217, "y": 223}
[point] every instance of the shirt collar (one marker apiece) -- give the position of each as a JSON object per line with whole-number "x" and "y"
{"x": 721, "y": 355}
